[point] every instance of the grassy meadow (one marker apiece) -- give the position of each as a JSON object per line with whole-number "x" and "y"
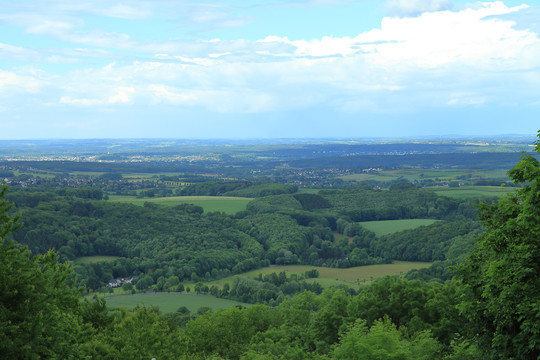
{"x": 94, "y": 259}
{"x": 226, "y": 204}
{"x": 465, "y": 192}
{"x": 386, "y": 227}
{"x": 170, "y": 302}
{"x": 353, "y": 277}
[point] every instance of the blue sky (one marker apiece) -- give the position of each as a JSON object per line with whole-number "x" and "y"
{"x": 268, "y": 68}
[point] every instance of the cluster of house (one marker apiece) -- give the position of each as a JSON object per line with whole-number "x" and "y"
{"x": 114, "y": 283}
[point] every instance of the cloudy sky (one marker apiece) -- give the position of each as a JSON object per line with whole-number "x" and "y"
{"x": 268, "y": 68}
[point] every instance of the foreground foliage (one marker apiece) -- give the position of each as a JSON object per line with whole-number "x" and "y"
{"x": 502, "y": 277}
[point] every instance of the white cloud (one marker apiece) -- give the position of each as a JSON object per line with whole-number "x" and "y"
{"x": 416, "y": 7}
{"x": 123, "y": 11}
{"x": 327, "y": 46}
{"x": 49, "y": 27}
{"x": 86, "y": 102}
{"x": 10, "y": 52}
{"x": 163, "y": 93}
{"x": 112, "y": 96}
{"x": 467, "y": 98}
{"x": 12, "y": 83}
{"x": 123, "y": 95}
{"x": 442, "y": 38}
{"x": 409, "y": 62}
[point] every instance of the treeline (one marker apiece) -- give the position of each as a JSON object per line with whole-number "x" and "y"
{"x": 391, "y": 318}
{"x": 236, "y": 188}
{"x": 113, "y": 167}
{"x": 361, "y": 204}
{"x": 271, "y": 289}
{"x": 44, "y": 318}
{"x": 32, "y": 197}
{"x": 480, "y": 160}
{"x": 178, "y": 240}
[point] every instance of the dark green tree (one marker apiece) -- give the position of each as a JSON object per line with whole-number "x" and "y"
{"x": 39, "y": 316}
{"x": 502, "y": 276}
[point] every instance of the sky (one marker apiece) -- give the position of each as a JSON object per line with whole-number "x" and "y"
{"x": 268, "y": 68}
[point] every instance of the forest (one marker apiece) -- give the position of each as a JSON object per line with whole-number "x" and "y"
{"x": 479, "y": 299}
{"x": 159, "y": 241}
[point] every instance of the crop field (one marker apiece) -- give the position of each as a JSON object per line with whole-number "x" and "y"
{"x": 229, "y": 205}
{"x": 170, "y": 302}
{"x": 465, "y": 192}
{"x": 94, "y": 259}
{"x": 353, "y": 277}
{"x": 386, "y": 227}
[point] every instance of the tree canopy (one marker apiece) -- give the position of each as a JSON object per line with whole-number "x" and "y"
{"x": 37, "y": 301}
{"x": 502, "y": 276}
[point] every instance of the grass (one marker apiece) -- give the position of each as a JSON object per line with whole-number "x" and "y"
{"x": 94, "y": 259}
{"x": 353, "y": 277}
{"x": 308, "y": 191}
{"x": 386, "y": 227}
{"x": 169, "y": 303}
{"x": 229, "y": 205}
{"x": 467, "y": 192}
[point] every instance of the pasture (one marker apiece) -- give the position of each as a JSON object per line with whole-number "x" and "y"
{"x": 226, "y": 204}
{"x": 471, "y": 192}
{"x": 170, "y": 302}
{"x": 94, "y": 259}
{"x": 386, "y": 227}
{"x": 353, "y": 277}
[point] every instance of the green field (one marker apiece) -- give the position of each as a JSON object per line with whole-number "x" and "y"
{"x": 353, "y": 277}
{"x": 94, "y": 259}
{"x": 386, "y": 227}
{"x": 434, "y": 174}
{"x": 465, "y": 192}
{"x": 169, "y": 303}
{"x": 308, "y": 191}
{"x": 226, "y": 204}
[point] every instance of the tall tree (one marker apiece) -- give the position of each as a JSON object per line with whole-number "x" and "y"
{"x": 38, "y": 305}
{"x": 502, "y": 276}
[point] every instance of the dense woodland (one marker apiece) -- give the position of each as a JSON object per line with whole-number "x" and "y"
{"x": 479, "y": 300}
{"x": 159, "y": 242}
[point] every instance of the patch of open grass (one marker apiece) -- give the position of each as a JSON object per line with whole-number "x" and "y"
{"x": 466, "y": 192}
{"x": 226, "y": 204}
{"x": 94, "y": 259}
{"x": 170, "y": 302}
{"x": 386, "y": 227}
{"x": 353, "y": 277}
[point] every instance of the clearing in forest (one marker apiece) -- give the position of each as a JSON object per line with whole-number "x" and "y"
{"x": 94, "y": 259}
{"x": 226, "y": 204}
{"x": 353, "y": 277}
{"x": 170, "y": 302}
{"x": 385, "y": 227}
{"x": 471, "y": 192}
